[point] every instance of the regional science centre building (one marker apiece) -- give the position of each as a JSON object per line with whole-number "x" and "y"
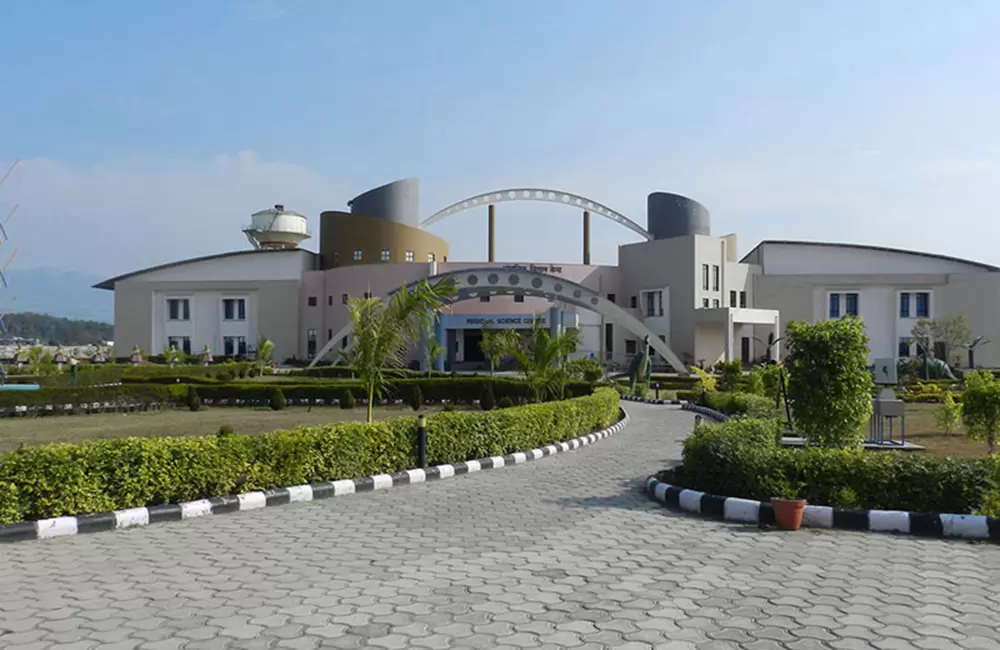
{"x": 687, "y": 289}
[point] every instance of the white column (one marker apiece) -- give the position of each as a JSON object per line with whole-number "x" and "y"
{"x": 776, "y": 351}
{"x": 729, "y": 336}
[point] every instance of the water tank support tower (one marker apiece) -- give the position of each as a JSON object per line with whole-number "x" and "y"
{"x": 277, "y": 228}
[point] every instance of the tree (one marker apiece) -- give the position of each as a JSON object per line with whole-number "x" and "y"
{"x": 923, "y": 335}
{"x": 265, "y": 354}
{"x": 434, "y": 352}
{"x": 829, "y": 385}
{"x": 949, "y": 413}
{"x": 981, "y": 407}
{"x": 172, "y": 355}
{"x": 496, "y": 344}
{"x": 385, "y": 329}
{"x": 541, "y": 357}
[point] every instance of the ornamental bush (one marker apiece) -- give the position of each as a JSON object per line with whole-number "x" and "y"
{"x": 981, "y": 407}
{"x": 347, "y": 400}
{"x": 277, "y": 401}
{"x": 829, "y": 385}
{"x": 38, "y": 482}
{"x": 741, "y": 458}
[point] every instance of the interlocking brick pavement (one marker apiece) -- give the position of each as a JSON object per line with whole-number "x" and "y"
{"x": 565, "y": 552}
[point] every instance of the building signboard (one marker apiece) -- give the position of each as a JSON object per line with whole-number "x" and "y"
{"x": 492, "y": 321}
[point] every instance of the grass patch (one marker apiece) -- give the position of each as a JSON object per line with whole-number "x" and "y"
{"x": 922, "y": 430}
{"x": 250, "y": 420}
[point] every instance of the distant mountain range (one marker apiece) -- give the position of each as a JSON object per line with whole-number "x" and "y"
{"x": 67, "y": 294}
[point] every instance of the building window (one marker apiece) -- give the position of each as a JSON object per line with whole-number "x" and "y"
{"x": 312, "y": 301}
{"x": 409, "y": 256}
{"x": 367, "y": 295}
{"x": 519, "y": 297}
{"x": 181, "y": 343}
{"x": 743, "y": 299}
{"x": 629, "y": 346}
{"x": 904, "y": 305}
{"x": 329, "y": 334}
{"x": 834, "y": 305}
{"x": 851, "y": 304}
{"x": 357, "y": 255}
{"x": 704, "y": 303}
{"x": 234, "y": 346}
{"x": 311, "y": 343}
{"x": 732, "y": 298}
{"x": 343, "y": 298}
{"x": 904, "y": 347}
{"x": 715, "y": 277}
{"x": 715, "y": 302}
{"x": 704, "y": 277}
{"x": 609, "y": 339}
{"x": 484, "y": 298}
{"x": 178, "y": 309}
{"x": 923, "y": 305}
{"x": 343, "y": 341}
{"x": 634, "y": 302}
{"x": 385, "y": 255}
{"x": 611, "y": 297}
{"x": 430, "y": 257}
{"x": 235, "y": 308}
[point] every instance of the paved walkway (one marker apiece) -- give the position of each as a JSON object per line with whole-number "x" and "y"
{"x": 564, "y": 552}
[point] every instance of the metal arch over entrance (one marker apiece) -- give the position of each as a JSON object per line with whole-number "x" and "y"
{"x": 537, "y": 194}
{"x": 472, "y": 283}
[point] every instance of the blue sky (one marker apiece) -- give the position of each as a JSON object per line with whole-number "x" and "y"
{"x": 149, "y": 131}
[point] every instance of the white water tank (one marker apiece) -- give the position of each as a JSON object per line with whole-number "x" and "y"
{"x": 277, "y": 228}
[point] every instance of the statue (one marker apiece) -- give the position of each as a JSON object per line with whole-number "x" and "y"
{"x": 136, "y": 357}
{"x": 206, "y": 355}
{"x": 640, "y": 369}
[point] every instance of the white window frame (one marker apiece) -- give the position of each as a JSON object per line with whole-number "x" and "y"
{"x": 408, "y": 256}
{"x": 357, "y": 255}
{"x": 386, "y": 255}
{"x": 236, "y": 309}
{"x": 182, "y": 301}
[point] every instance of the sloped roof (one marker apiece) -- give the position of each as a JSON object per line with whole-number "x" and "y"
{"x": 109, "y": 284}
{"x": 883, "y": 249}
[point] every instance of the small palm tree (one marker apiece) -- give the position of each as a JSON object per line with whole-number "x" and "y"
{"x": 496, "y": 344}
{"x": 434, "y": 352}
{"x": 265, "y": 353}
{"x": 385, "y": 329}
{"x": 541, "y": 357}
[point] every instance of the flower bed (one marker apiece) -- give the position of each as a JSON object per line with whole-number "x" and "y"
{"x": 98, "y": 476}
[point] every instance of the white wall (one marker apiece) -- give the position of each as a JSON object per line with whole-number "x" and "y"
{"x": 817, "y": 259}
{"x": 247, "y": 266}
{"x": 206, "y": 325}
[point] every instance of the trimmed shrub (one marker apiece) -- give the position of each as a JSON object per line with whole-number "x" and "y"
{"x": 829, "y": 385}
{"x": 741, "y": 458}
{"x": 505, "y": 402}
{"x": 193, "y": 400}
{"x": 416, "y": 398}
{"x": 488, "y": 401}
{"x": 225, "y": 430}
{"x": 755, "y": 406}
{"x": 38, "y": 482}
{"x": 277, "y": 401}
{"x": 730, "y": 375}
{"x": 347, "y": 400}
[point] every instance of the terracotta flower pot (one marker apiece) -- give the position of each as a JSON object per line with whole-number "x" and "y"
{"x": 788, "y": 512}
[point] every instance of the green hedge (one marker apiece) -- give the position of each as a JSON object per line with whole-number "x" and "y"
{"x": 346, "y": 372}
{"x": 742, "y": 458}
{"x": 68, "y": 479}
{"x": 59, "y": 396}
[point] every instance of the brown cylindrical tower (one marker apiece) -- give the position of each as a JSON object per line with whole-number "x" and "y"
{"x": 492, "y": 234}
{"x": 586, "y": 237}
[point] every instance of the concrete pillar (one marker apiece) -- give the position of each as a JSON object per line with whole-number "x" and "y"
{"x": 729, "y": 338}
{"x": 553, "y": 321}
{"x": 492, "y": 253}
{"x": 776, "y": 350}
{"x": 586, "y": 237}
{"x": 442, "y": 338}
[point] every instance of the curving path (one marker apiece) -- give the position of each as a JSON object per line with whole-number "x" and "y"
{"x": 565, "y": 552}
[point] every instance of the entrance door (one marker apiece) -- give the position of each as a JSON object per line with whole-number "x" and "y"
{"x": 745, "y": 350}
{"x": 471, "y": 349}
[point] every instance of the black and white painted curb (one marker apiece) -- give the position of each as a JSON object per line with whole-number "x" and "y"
{"x": 704, "y": 410}
{"x": 643, "y": 400}
{"x": 749, "y": 511}
{"x": 121, "y": 519}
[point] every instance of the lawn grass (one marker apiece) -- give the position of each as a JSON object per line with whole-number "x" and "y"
{"x": 922, "y": 430}
{"x": 178, "y": 422}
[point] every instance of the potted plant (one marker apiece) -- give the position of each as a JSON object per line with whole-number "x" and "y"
{"x": 788, "y": 505}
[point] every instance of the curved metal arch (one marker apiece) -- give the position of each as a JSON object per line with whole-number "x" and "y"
{"x": 472, "y": 283}
{"x": 537, "y": 194}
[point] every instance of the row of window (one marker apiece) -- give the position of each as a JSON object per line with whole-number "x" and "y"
{"x": 385, "y": 256}
{"x": 921, "y": 301}
{"x": 716, "y": 277}
{"x": 231, "y": 345}
{"x": 232, "y": 309}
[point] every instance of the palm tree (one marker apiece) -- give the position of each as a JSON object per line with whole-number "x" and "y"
{"x": 434, "y": 352}
{"x": 496, "y": 344}
{"x": 385, "y": 329}
{"x": 542, "y": 357}
{"x": 265, "y": 352}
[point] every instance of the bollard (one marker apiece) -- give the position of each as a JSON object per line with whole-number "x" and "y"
{"x": 657, "y": 391}
{"x": 422, "y": 441}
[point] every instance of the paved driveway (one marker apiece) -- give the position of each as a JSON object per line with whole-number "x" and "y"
{"x": 564, "y": 552}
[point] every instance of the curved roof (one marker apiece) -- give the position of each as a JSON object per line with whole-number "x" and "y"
{"x": 109, "y": 284}
{"x": 883, "y": 249}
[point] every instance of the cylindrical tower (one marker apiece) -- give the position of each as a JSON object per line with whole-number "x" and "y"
{"x": 277, "y": 228}
{"x": 672, "y": 215}
{"x": 398, "y": 202}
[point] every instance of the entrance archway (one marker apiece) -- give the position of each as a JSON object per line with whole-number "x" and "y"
{"x": 476, "y": 282}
